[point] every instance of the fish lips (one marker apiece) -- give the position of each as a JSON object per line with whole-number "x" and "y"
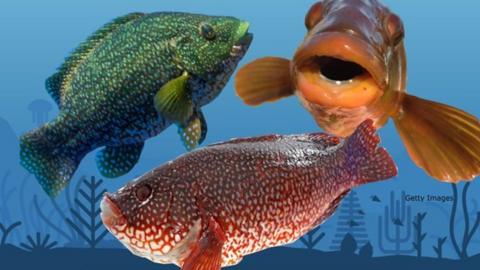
{"x": 242, "y": 46}
{"x": 346, "y": 47}
{"x": 111, "y": 214}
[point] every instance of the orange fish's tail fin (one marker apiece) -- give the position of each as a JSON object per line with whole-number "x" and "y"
{"x": 365, "y": 159}
{"x": 442, "y": 140}
{"x": 264, "y": 80}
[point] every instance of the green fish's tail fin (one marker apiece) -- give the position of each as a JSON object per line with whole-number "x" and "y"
{"x": 366, "y": 161}
{"x": 53, "y": 162}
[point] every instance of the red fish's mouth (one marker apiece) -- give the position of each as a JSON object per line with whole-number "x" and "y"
{"x": 111, "y": 214}
{"x": 339, "y": 69}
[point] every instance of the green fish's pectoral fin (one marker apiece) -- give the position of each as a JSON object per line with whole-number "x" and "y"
{"x": 55, "y": 83}
{"x": 194, "y": 131}
{"x": 114, "y": 162}
{"x": 207, "y": 251}
{"x": 174, "y": 100}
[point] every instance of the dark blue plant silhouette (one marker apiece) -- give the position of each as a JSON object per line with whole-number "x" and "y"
{"x": 312, "y": 238}
{"x": 419, "y": 234}
{"x": 5, "y": 196}
{"x": 366, "y": 251}
{"x": 439, "y": 247}
{"x": 39, "y": 244}
{"x": 462, "y": 251}
{"x": 66, "y": 231}
{"x": 349, "y": 244}
{"x": 6, "y": 230}
{"x": 351, "y": 219}
{"x": 399, "y": 216}
{"x": 89, "y": 213}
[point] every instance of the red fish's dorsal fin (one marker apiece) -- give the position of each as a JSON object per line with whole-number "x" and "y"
{"x": 207, "y": 251}
{"x": 264, "y": 80}
{"x": 442, "y": 140}
{"x": 368, "y": 162}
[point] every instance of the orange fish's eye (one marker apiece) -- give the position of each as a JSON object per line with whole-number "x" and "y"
{"x": 143, "y": 193}
{"x": 314, "y": 15}
{"x": 394, "y": 27}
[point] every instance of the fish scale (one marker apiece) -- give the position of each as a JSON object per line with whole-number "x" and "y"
{"x": 107, "y": 91}
{"x": 256, "y": 193}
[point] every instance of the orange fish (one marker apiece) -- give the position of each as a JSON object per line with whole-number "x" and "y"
{"x": 351, "y": 67}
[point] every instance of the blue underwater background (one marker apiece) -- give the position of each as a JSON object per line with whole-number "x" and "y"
{"x": 376, "y": 220}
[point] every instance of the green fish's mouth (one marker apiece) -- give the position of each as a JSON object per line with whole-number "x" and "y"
{"x": 243, "y": 40}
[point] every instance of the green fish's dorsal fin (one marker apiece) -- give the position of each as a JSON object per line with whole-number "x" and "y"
{"x": 53, "y": 85}
{"x": 194, "y": 131}
{"x": 57, "y": 82}
{"x": 174, "y": 101}
{"x": 113, "y": 162}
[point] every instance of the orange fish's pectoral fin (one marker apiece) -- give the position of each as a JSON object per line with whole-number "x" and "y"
{"x": 264, "y": 80}
{"x": 207, "y": 252}
{"x": 442, "y": 140}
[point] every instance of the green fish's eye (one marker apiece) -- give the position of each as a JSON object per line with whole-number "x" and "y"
{"x": 207, "y": 31}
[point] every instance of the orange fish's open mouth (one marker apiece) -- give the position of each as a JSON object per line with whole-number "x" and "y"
{"x": 336, "y": 69}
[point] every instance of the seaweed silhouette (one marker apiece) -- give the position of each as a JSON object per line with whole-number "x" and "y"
{"x": 399, "y": 215}
{"x": 89, "y": 213}
{"x": 419, "y": 234}
{"x": 462, "y": 251}
{"x": 39, "y": 244}
{"x": 6, "y": 230}
{"x": 67, "y": 232}
{"x": 5, "y": 196}
{"x": 311, "y": 239}
{"x": 351, "y": 219}
{"x": 439, "y": 247}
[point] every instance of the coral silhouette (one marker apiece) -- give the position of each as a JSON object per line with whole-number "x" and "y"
{"x": 312, "y": 238}
{"x": 419, "y": 234}
{"x": 397, "y": 215}
{"x": 350, "y": 220}
{"x": 439, "y": 247}
{"x": 39, "y": 244}
{"x": 89, "y": 213}
{"x": 6, "y": 230}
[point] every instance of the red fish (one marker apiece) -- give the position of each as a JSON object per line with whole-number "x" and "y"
{"x": 211, "y": 207}
{"x": 351, "y": 67}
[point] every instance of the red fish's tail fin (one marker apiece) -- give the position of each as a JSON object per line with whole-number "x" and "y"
{"x": 442, "y": 140}
{"x": 365, "y": 160}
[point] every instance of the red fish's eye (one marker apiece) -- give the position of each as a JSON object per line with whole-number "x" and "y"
{"x": 143, "y": 192}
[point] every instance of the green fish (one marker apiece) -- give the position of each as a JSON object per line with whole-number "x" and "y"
{"x": 127, "y": 83}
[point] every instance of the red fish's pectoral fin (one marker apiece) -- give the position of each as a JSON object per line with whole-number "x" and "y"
{"x": 442, "y": 140}
{"x": 207, "y": 252}
{"x": 264, "y": 80}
